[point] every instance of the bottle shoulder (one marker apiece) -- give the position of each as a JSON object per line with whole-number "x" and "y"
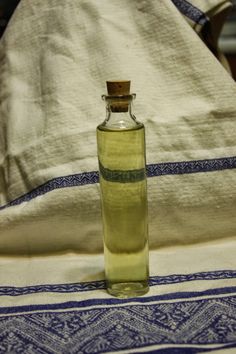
{"x": 110, "y": 127}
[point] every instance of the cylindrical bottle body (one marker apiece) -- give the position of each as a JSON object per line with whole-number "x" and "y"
{"x": 123, "y": 188}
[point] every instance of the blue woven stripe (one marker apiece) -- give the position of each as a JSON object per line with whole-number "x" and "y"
{"x": 78, "y": 179}
{"x": 153, "y": 170}
{"x": 186, "y": 167}
{"x": 228, "y": 292}
{"x": 190, "y": 11}
{"x": 100, "y": 284}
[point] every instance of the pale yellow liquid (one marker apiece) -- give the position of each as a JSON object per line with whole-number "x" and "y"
{"x": 124, "y": 210}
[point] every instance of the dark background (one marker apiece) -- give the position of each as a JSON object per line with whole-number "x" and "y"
{"x": 7, "y": 7}
{"x": 227, "y": 42}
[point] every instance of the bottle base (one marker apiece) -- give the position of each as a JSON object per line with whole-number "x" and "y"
{"x": 127, "y": 290}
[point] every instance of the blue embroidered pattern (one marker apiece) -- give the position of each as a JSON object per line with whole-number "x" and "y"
{"x": 60, "y": 328}
{"x": 153, "y": 170}
{"x": 185, "y": 167}
{"x": 191, "y": 11}
{"x": 100, "y": 284}
{"x": 74, "y": 180}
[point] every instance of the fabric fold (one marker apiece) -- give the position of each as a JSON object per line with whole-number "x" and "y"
{"x": 54, "y": 61}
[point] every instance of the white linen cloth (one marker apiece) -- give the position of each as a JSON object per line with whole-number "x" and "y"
{"x": 58, "y": 304}
{"x": 54, "y": 60}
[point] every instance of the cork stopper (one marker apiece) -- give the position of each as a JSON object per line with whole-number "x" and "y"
{"x": 117, "y": 88}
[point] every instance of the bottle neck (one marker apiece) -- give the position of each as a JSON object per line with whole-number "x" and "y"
{"x": 119, "y": 114}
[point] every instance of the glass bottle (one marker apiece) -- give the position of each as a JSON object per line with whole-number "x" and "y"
{"x": 123, "y": 188}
